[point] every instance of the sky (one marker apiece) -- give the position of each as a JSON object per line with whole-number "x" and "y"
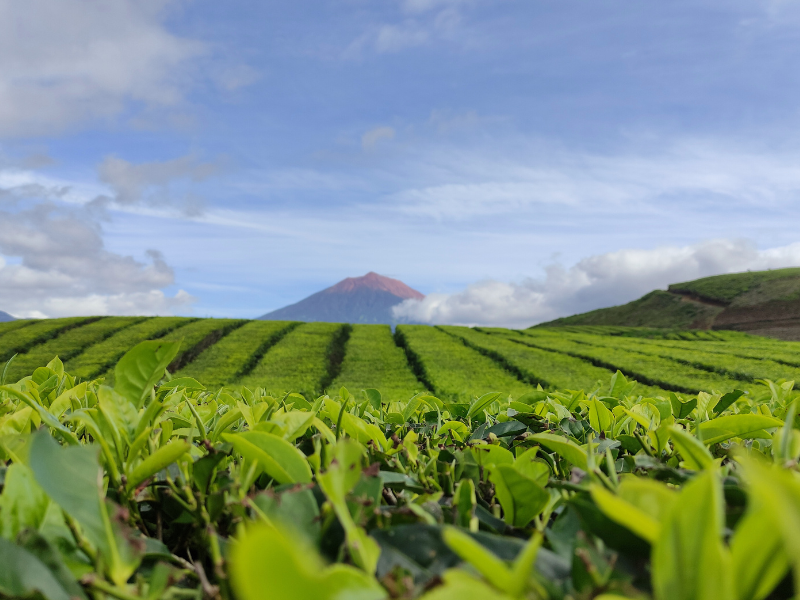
{"x": 514, "y": 160}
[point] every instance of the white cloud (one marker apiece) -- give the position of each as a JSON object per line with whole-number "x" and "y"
{"x": 448, "y": 121}
{"x": 128, "y": 186}
{"x": 389, "y": 38}
{"x": 148, "y": 182}
{"x": 373, "y": 136}
{"x": 594, "y": 282}
{"x": 61, "y": 267}
{"x": 64, "y": 62}
{"x": 393, "y": 38}
{"x": 524, "y": 176}
{"x": 154, "y": 302}
{"x": 421, "y": 6}
{"x": 424, "y": 22}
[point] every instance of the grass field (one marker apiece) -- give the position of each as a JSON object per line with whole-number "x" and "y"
{"x": 373, "y": 360}
{"x": 730, "y": 365}
{"x": 301, "y": 361}
{"x": 27, "y": 338}
{"x": 237, "y": 353}
{"x": 452, "y": 369}
{"x": 652, "y": 370}
{"x": 70, "y": 343}
{"x": 729, "y": 288}
{"x": 8, "y": 326}
{"x": 544, "y": 367}
{"x": 101, "y": 357}
{"x": 454, "y": 363}
{"x": 195, "y": 337}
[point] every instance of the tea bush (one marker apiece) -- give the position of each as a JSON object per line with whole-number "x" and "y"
{"x": 161, "y": 488}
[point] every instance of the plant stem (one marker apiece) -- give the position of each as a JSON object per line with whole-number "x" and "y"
{"x": 644, "y": 444}
{"x": 80, "y": 540}
{"x": 339, "y": 420}
{"x": 106, "y": 588}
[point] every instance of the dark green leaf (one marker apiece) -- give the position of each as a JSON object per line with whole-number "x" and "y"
{"x": 22, "y": 574}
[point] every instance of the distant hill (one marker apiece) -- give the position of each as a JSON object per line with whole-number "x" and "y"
{"x": 367, "y": 299}
{"x": 4, "y": 316}
{"x": 758, "y": 302}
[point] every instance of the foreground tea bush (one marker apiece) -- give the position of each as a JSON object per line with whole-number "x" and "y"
{"x": 160, "y": 488}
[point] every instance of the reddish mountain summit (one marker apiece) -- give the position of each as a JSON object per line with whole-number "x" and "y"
{"x": 373, "y": 281}
{"x": 367, "y": 299}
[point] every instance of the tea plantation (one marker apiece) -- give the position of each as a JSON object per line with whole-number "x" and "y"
{"x": 451, "y": 362}
{"x": 240, "y": 460}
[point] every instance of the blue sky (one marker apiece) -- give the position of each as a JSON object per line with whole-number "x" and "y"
{"x": 514, "y": 160}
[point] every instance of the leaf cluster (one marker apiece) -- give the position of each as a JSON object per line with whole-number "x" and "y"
{"x": 159, "y": 487}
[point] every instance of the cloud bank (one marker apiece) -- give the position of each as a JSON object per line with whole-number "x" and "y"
{"x": 53, "y": 263}
{"x": 66, "y": 62}
{"x": 594, "y": 282}
{"x": 149, "y": 183}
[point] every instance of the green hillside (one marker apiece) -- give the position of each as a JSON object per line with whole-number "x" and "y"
{"x": 752, "y": 287}
{"x": 453, "y": 363}
{"x": 760, "y": 302}
{"x": 656, "y": 309}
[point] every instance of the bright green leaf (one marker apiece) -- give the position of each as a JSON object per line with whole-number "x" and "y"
{"x": 695, "y": 455}
{"x": 160, "y": 459}
{"x": 482, "y": 403}
{"x": 626, "y": 514}
{"x": 269, "y": 561}
{"x": 23, "y": 504}
{"x": 563, "y": 447}
{"x": 279, "y": 459}
{"x": 521, "y": 497}
{"x": 741, "y": 426}
{"x": 689, "y": 560}
{"x": 142, "y": 367}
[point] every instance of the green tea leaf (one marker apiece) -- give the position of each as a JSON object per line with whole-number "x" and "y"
{"x": 71, "y": 476}
{"x": 482, "y": 403}
{"x": 564, "y": 448}
{"x": 464, "y": 500}
{"x": 23, "y": 503}
{"x": 521, "y": 498}
{"x": 760, "y": 560}
{"x": 694, "y": 453}
{"x": 485, "y": 562}
{"x": 23, "y": 575}
{"x": 142, "y": 367}
{"x": 279, "y": 459}
{"x": 778, "y": 492}
{"x": 487, "y": 455}
{"x": 182, "y": 382}
{"x": 626, "y": 514}
{"x": 527, "y": 464}
{"x": 160, "y": 459}
{"x": 374, "y": 398}
{"x": 269, "y": 559}
{"x": 600, "y": 417}
{"x": 463, "y": 586}
{"x": 50, "y": 556}
{"x": 727, "y": 400}
{"x": 741, "y": 425}
{"x": 296, "y": 510}
{"x": 689, "y": 560}
{"x": 523, "y": 566}
{"x": 681, "y": 409}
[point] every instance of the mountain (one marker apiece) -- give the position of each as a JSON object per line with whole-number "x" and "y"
{"x": 367, "y": 299}
{"x": 758, "y": 302}
{"x": 4, "y": 316}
